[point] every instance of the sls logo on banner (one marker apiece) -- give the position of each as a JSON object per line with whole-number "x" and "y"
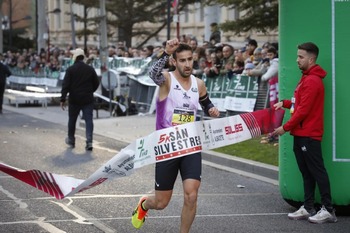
{"x": 235, "y": 129}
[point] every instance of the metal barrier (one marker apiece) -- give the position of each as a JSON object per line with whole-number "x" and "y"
{"x": 231, "y": 95}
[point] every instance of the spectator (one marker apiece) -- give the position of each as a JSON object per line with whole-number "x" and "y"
{"x": 4, "y": 73}
{"x": 135, "y": 52}
{"x": 227, "y": 60}
{"x": 111, "y": 52}
{"x": 218, "y": 52}
{"x": 251, "y": 46}
{"x": 197, "y": 69}
{"x": 193, "y": 44}
{"x": 266, "y": 45}
{"x": 148, "y": 51}
{"x": 215, "y": 36}
{"x": 208, "y": 57}
{"x": 201, "y": 52}
{"x": 213, "y": 69}
{"x": 260, "y": 64}
{"x": 273, "y": 65}
{"x": 54, "y": 65}
{"x": 238, "y": 67}
{"x": 247, "y": 67}
{"x": 80, "y": 81}
{"x": 21, "y": 62}
{"x": 127, "y": 54}
{"x": 271, "y": 76}
{"x": 257, "y": 56}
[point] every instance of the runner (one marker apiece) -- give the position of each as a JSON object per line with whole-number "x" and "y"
{"x": 177, "y": 103}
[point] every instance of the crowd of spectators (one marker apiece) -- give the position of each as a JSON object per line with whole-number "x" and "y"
{"x": 222, "y": 59}
{"x": 210, "y": 59}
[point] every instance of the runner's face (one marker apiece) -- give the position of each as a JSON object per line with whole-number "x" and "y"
{"x": 184, "y": 63}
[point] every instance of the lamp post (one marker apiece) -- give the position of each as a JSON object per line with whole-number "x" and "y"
{"x": 55, "y": 11}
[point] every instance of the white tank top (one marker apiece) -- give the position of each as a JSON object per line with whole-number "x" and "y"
{"x": 180, "y": 106}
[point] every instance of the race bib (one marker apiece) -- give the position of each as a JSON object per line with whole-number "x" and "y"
{"x": 182, "y": 116}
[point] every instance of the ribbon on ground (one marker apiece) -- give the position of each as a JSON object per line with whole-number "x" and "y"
{"x": 158, "y": 146}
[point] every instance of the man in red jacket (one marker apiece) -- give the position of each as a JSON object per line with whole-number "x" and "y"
{"x": 306, "y": 125}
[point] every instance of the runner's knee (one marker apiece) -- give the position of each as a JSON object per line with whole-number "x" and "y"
{"x": 191, "y": 198}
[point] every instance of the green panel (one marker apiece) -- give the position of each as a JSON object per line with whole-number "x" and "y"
{"x": 312, "y": 20}
{"x": 342, "y": 51}
{"x": 242, "y": 87}
{"x": 216, "y": 86}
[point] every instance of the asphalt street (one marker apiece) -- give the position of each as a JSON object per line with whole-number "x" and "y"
{"x": 33, "y": 138}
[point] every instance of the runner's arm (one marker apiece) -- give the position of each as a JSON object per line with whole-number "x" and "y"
{"x": 156, "y": 72}
{"x": 205, "y": 102}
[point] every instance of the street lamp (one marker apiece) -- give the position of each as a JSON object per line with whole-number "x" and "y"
{"x": 55, "y": 11}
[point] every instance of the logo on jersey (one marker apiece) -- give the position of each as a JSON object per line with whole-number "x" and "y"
{"x": 177, "y": 87}
{"x": 194, "y": 89}
{"x": 186, "y": 96}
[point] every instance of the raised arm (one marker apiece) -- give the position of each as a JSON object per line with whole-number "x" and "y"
{"x": 156, "y": 72}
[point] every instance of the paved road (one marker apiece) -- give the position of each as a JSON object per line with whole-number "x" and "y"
{"x": 28, "y": 142}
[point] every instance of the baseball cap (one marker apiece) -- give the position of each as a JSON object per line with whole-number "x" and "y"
{"x": 77, "y": 52}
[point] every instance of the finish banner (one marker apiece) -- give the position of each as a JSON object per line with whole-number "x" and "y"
{"x": 158, "y": 146}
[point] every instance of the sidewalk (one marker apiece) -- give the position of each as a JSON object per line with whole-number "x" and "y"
{"x": 128, "y": 128}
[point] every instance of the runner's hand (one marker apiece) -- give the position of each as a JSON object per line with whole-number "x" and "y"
{"x": 171, "y": 46}
{"x": 214, "y": 112}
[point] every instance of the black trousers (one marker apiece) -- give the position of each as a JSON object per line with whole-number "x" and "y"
{"x": 73, "y": 113}
{"x": 308, "y": 154}
{"x": 2, "y": 91}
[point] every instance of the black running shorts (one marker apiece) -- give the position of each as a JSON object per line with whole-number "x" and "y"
{"x": 190, "y": 167}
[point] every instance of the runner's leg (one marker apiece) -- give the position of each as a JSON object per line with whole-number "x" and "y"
{"x": 191, "y": 187}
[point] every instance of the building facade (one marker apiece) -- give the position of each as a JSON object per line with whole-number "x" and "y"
{"x": 55, "y": 26}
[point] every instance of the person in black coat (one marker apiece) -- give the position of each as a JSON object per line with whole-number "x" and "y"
{"x": 80, "y": 81}
{"x": 4, "y": 73}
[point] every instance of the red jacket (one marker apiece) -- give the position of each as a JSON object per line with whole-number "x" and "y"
{"x": 307, "y": 119}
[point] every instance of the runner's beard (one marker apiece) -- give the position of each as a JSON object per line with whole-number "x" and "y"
{"x": 185, "y": 73}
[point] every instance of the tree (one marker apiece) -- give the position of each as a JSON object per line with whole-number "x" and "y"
{"x": 260, "y": 15}
{"x": 130, "y": 12}
{"x": 123, "y": 15}
{"x": 92, "y": 22}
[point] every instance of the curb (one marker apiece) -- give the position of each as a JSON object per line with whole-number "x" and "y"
{"x": 245, "y": 165}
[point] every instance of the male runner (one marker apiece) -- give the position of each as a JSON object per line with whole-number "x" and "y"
{"x": 179, "y": 95}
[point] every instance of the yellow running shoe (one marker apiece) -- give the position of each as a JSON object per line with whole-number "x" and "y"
{"x": 139, "y": 214}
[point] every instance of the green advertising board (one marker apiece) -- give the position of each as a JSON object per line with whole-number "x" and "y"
{"x": 326, "y": 23}
{"x": 237, "y": 93}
